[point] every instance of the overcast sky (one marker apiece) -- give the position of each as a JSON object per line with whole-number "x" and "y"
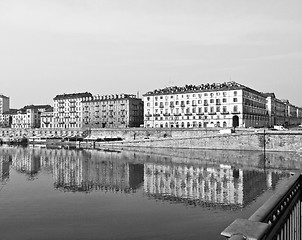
{"x": 126, "y": 46}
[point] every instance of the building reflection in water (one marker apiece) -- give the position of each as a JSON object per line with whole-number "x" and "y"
{"x": 170, "y": 178}
{"x": 221, "y": 185}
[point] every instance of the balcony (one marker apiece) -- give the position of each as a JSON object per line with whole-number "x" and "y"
{"x": 182, "y": 105}
{"x": 166, "y": 114}
{"x": 177, "y": 114}
{"x": 188, "y": 114}
{"x": 218, "y": 103}
{"x": 199, "y": 113}
{"x": 156, "y": 115}
{"x": 205, "y": 104}
{"x": 212, "y": 113}
{"x": 161, "y": 106}
{"x": 148, "y": 115}
{"x": 225, "y": 113}
{"x": 235, "y": 112}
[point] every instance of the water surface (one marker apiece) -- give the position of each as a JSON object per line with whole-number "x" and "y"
{"x": 156, "y": 194}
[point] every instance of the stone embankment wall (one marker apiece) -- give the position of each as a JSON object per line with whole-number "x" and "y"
{"x": 281, "y": 141}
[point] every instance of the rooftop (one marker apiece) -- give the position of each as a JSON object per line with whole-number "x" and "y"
{"x": 73, "y": 95}
{"x": 200, "y": 88}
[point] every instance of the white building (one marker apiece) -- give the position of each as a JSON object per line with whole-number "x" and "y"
{"x": 223, "y": 105}
{"x": 68, "y": 110}
{"x": 47, "y": 119}
{"x": 28, "y": 116}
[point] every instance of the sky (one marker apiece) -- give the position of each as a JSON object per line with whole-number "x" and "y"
{"x": 50, "y": 47}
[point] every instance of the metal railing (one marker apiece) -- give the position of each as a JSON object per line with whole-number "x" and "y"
{"x": 278, "y": 218}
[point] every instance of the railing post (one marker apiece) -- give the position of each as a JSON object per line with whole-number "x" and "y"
{"x": 245, "y": 229}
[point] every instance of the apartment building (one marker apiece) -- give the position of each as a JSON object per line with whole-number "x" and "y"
{"x": 113, "y": 111}
{"x": 28, "y": 116}
{"x": 277, "y": 110}
{"x": 7, "y": 118}
{"x": 219, "y": 104}
{"x": 47, "y": 118}
{"x": 4, "y": 107}
{"x": 68, "y": 109}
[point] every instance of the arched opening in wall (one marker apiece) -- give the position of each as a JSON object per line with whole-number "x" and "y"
{"x": 166, "y": 125}
{"x": 205, "y": 124}
{"x": 177, "y": 125}
{"x": 182, "y": 124}
{"x": 218, "y": 124}
{"x": 103, "y": 125}
{"x": 235, "y": 121}
{"x": 224, "y": 124}
{"x": 200, "y": 124}
{"x": 188, "y": 124}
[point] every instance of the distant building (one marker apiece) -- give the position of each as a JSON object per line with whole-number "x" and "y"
{"x": 4, "y": 107}
{"x": 7, "y": 117}
{"x": 276, "y": 109}
{"x": 292, "y": 114}
{"x": 29, "y": 116}
{"x": 47, "y": 118}
{"x": 113, "y": 111}
{"x": 223, "y": 105}
{"x": 68, "y": 109}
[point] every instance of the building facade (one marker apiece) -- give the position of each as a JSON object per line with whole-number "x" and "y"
{"x": 68, "y": 110}
{"x": 222, "y": 105}
{"x": 28, "y": 116}
{"x": 113, "y": 111}
{"x": 4, "y": 107}
{"x": 277, "y": 110}
{"x": 47, "y": 119}
{"x": 7, "y": 118}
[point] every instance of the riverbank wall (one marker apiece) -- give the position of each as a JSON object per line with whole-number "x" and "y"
{"x": 133, "y": 138}
{"x": 262, "y": 141}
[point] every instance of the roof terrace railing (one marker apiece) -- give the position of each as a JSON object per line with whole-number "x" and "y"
{"x": 278, "y": 218}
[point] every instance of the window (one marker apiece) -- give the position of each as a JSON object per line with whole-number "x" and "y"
{"x": 217, "y": 109}
{"x": 234, "y": 99}
{"x": 212, "y": 109}
{"x": 205, "y": 109}
{"x": 235, "y": 109}
{"x": 188, "y": 102}
{"x": 235, "y": 93}
{"x": 199, "y": 95}
{"x": 224, "y": 100}
{"x": 148, "y": 98}
{"x": 211, "y": 100}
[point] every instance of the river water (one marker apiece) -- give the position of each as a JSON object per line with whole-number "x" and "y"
{"x": 147, "y": 194}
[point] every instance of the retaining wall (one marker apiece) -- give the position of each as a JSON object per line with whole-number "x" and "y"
{"x": 242, "y": 141}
